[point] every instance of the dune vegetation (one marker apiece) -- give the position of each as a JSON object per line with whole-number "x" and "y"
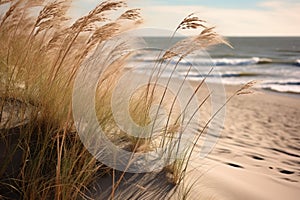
{"x": 42, "y": 50}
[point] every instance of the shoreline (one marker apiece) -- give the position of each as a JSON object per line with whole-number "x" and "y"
{"x": 288, "y": 94}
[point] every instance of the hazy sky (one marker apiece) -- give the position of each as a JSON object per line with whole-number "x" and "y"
{"x": 232, "y": 17}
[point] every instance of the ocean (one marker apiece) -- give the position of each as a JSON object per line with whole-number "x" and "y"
{"x": 272, "y": 61}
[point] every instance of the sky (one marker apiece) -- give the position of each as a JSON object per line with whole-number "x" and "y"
{"x": 231, "y": 17}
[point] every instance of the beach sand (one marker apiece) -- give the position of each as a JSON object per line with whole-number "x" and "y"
{"x": 257, "y": 155}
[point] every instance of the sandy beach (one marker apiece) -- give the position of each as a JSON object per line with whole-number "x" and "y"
{"x": 257, "y": 155}
{"x": 94, "y": 100}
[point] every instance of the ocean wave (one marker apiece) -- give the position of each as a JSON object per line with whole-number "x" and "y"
{"x": 240, "y": 61}
{"x": 288, "y": 86}
{"x": 228, "y": 61}
{"x": 283, "y": 89}
{"x": 252, "y": 61}
{"x": 219, "y": 62}
{"x": 224, "y": 75}
{"x": 214, "y": 61}
{"x": 283, "y": 82}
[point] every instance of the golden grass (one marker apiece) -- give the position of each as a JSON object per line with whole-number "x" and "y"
{"x": 39, "y": 59}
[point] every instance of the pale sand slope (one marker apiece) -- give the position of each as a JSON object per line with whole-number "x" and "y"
{"x": 258, "y": 153}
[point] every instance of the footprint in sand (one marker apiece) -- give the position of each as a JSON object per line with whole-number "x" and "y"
{"x": 235, "y": 165}
{"x": 257, "y": 157}
{"x": 283, "y": 171}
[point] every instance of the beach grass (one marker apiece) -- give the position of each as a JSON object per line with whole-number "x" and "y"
{"x": 40, "y": 56}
